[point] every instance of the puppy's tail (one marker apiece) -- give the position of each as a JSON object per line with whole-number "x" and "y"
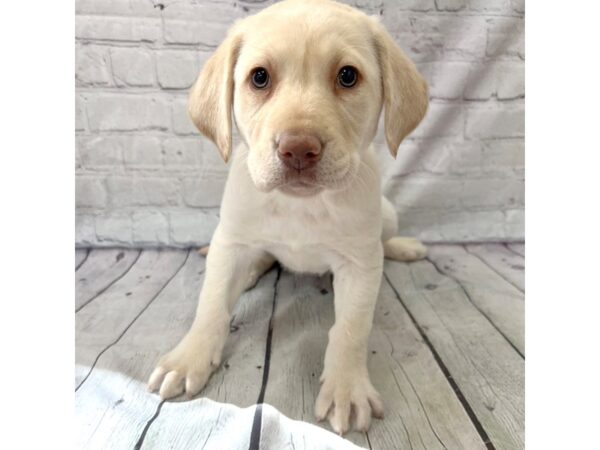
{"x": 404, "y": 249}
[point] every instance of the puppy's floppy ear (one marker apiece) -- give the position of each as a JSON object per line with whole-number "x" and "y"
{"x": 405, "y": 96}
{"x": 211, "y": 98}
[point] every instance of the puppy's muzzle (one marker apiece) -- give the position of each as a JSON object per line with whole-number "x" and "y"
{"x": 299, "y": 150}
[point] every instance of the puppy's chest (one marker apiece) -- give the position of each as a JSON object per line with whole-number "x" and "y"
{"x": 301, "y": 242}
{"x": 303, "y": 259}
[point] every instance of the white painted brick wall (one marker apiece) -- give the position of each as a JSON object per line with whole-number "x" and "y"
{"x": 144, "y": 176}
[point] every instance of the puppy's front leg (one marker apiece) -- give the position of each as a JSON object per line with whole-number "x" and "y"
{"x": 346, "y": 389}
{"x": 189, "y": 365}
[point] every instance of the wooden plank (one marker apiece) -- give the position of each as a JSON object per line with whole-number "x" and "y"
{"x": 517, "y": 248}
{"x": 506, "y": 263}
{"x": 81, "y": 255}
{"x": 113, "y": 405}
{"x": 485, "y": 367}
{"x": 102, "y": 321}
{"x": 102, "y": 268}
{"x": 157, "y": 331}
{"x": 238, "y": 379}
{"x": 501, "y": 302}
{"x": 303, "y": 315}
{"x": 418, "y": 397}
{"x": 422, "y": 411}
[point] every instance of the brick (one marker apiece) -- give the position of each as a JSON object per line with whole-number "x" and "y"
{"x": 132, "y": 66}
{"x": 421, "y": 47}
{"x": 92, "y": 65}
{"x": 182, "y": 124}
{"x": 458, "y": 37}
{"x": 408, "y": 5}
{"x": 79, "y": 114}
{"x": 78, "y": 163}
{"x": 100, "y": 151}
{"x": 209, "y": 34}
{"x": 441, "y": 120}
{"x": 142, "y": 152}
{"x": 368, "y": 6}
{"x": 418, "y": 191}
{"x": 182, "y": 153}
{"x": 514, "y": 224}
{"x": 127, "y": 113}
{"x": 204, "y": 192}
{"x": 129, "y": 191}
{"x": 466, "y": 157}
{"x": 416, "y": 5}
{"x": 396, "y": 22}
{"x": 446, "y": 79}
{"x": 85, "y": 230}
{"x": 450, "y": 5}
{"x": 490, "y": 6}
{"x": 506, "y": 80}
{"x": 142, "y": 8}
{"x": 506, "y": 38}
{"x": 150, "y": 228}
{"x": 223, "y": 12}
{"x": 494, "y": 122}
{"x": 451, "y": 226}
{"x": 117, "y": 28}
{"x": 502, "y": 156}
{"x": 470, "y": 225}
{"x": 510, "y": 80}
{"x": 192, "y": 228}
{"x": 518, "y": 6}
{"x": 114, "y": 228}
{"x": 177, "y": 69}
{"x": 464, "y": 37}
{"x": 373, "y": 6}
{"x": 414, "y": 157}
{"x": 481, "y": 82}
{"x": 490, "y": 193}
{"x": 90, "y": 193}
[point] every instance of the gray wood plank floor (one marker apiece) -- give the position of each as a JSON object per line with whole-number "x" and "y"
{"x": 446, "y": 351}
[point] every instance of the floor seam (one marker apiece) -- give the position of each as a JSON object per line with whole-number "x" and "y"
{"x": 506, "y": 245}
{"x": 112, "y": 283}
{"x": 477, "y": 307}
{"x": 257, "y": 421}
{"x": 461, "y": 398}
{"x": 487, "y": 264}
{"x": 87, "y": 254}
{"x": 154, "y": 297}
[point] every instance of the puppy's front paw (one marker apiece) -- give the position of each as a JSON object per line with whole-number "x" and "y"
{"x": 185, "y": 369}
{"x": 348, "y": 400}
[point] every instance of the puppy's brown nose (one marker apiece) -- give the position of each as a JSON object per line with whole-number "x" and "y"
{"x": 299, "y": 150}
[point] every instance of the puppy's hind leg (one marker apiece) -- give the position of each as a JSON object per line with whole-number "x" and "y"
{"x": 396, "y": 247}
{"x": 258, "y": 269}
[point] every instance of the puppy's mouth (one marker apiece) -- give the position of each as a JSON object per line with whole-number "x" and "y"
{"x": 301, "y": 183}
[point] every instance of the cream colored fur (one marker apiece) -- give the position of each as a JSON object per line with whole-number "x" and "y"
{"x": 339, "y": 223}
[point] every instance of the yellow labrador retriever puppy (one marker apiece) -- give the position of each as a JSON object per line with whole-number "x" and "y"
{"x": 305, "y": 81}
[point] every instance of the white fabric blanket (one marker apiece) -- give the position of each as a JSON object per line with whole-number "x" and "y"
{"x": 114, "y": 411}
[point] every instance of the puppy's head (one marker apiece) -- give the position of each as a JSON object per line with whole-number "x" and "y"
{"x": 306, "y": 81}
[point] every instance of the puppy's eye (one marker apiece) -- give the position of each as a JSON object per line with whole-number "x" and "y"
{"x": 260, "y": 78}
{"x": 347, "y": 76}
